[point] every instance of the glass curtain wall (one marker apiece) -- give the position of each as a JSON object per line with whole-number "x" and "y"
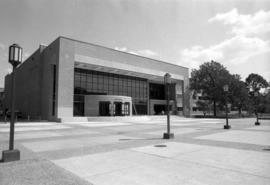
{"x": 87, "y": 82}
{"x": 158, "y": 91}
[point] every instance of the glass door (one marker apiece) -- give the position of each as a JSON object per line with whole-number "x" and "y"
{"x": 118, "y": 108}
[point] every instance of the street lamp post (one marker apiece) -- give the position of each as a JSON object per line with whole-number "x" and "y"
{"x": 15, "y": 58}
{"x": 167, "y": 81}
{"x": 226, "y": 89}
{"x": 256, "y": 94}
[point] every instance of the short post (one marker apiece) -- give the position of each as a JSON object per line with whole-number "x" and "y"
{"x": 226, "y": 89}
{"x": 15, "y": 58}
{"x": 167, "y": 82}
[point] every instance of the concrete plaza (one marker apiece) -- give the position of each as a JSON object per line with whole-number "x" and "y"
{"x": 132, "y": 152}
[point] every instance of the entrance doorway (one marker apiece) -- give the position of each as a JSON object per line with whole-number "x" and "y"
{"x": 126, "y": 109}
{"x": 159, "y": 109}
{"x": 118, "y": 108}
{"x": 104, "y": 108}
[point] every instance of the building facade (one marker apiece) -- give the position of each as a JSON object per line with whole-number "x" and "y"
{"x": 2, "y": 94}
{"x": 70, "y": 78}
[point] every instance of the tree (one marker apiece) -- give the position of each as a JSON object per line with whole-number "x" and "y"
{"x": 239, "y": 96}
{"x": 203, "y": 106}
{"x": 255, "y": 82}
{"x": 210, "y": 79}
{"x": 267, "y": 102}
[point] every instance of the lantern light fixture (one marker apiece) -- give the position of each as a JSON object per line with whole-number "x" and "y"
{"x": 15, "y": 55}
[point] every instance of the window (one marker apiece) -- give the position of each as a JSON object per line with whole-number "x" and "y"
{"x": 94, "y": 82}
{"x": 157, "y": 91}
{"x": 179, "y": 108}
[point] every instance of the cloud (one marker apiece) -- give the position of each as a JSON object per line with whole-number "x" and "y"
{"x": 245, "y": 42}
{"x": 2, "y": 46}
{"x": 124, "y": 49}
{"x": 145, "y": 52}
{"x": 247, "y": 24}
{"x": 25, "y": 56}
{"x": 235, "y": 50}
{"x": 8, "y": 70}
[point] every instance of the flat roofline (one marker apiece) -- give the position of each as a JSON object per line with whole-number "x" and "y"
{"x": 27, "y": 59}
{"x": 120, "y": 51}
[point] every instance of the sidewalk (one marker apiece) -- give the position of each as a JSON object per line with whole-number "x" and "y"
{"x": 134, "y": 153}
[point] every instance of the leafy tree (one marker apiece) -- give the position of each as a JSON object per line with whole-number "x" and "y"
{"x": 262, "y": 102}
{"x": 239, "y": 96}
{"x": 255, "y": 82}
{"x": 267, "y": 102}
{"x": 203, "y": 106}
{"x": 210, "y": 79}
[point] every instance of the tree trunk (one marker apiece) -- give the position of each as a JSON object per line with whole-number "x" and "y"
{"x": 239, "y": 111}
{"x": 215, "y": 108}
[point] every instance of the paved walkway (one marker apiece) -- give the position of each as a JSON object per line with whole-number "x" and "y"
{"x": 134, "y": 153}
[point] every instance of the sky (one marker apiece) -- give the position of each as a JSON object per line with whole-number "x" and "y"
{"x": 235, "y": 33}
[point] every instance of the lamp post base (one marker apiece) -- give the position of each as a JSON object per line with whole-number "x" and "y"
{"x": 227, "y": 126}
{"x": 257, "y": 123}
{"x": 10, "y": 155}
{"x": 168, "y": 136}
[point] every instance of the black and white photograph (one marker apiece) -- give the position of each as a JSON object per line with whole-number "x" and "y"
{"x": 134, "y": 92}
